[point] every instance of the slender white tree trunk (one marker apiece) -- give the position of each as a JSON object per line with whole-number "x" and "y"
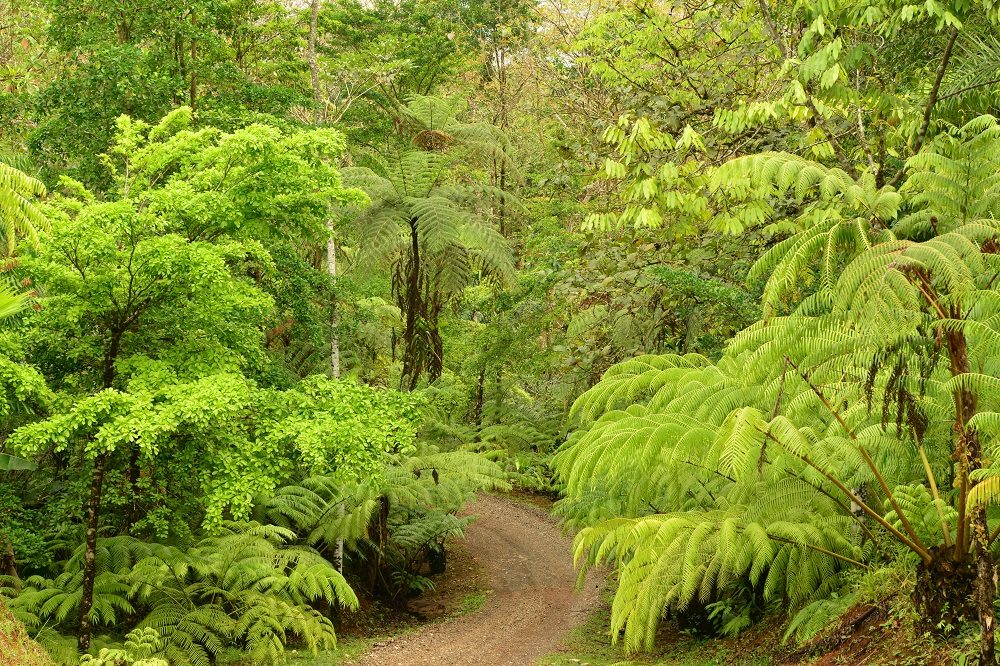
{"x": 331, "y": 267}
{"x": 331, "y": 243}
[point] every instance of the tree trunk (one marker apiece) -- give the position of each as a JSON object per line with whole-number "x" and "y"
{"x": 411, "y": 301}
{"x": 949, "y": 592}
{"x": 8, "y": 560}
{"x": 331, "y": 269}
{"x": 331, "y": 244}
{"x": 181, "y": 65}
{"x": 435, "y": 364}
{"x": 502, "y": 120}
{"x": 985, "y": 589}
{"x": 974, "y": 532}
{"x": 498, "y": 398}
{"x": 194, "y": 72}
{"x": 692, "y": 329}
{"x": 477, "y": 406}
{"x": 93, "y": 509}
{"x": 114, "y": 347}
{"x": 378, "y": 534}
{"x": 943, "y": 592}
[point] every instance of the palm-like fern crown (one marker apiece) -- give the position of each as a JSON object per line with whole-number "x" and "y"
{"x": 420, "y": 187}
{"x": 10, "y": 302}
{"x": 435, "y": 126}
{"x": 881, "y": 373}
{"x": 19, "y": 218}
{"x": 956, "y": 184}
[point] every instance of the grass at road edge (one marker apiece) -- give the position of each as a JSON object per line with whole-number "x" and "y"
{"x": 350, "y": 648}
{"x": 471, "y": 603}
{"x": 589, "y": 645}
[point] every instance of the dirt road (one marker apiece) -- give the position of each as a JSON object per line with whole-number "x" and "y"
{"x": 532, "y": 606}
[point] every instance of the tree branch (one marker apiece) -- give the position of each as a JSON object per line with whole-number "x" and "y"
{"x": 931, "y": 101}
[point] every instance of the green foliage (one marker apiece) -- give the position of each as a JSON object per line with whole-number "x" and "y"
{"x": 348, "y": 427}
{"x": 19, "y": 213}
{"x": 413, "y": 499}
{"x": 140, "y": 645}
{"x": 433, "y": 233}
{"x": 546, "y": 195}
{"x": 143, "y": 60}
{"x": 816, "y": 616}
{"x": 9, "y": 463}
{"x": 179, "y": 256}
{"x": 247, "y": 438}
{"x": 750, "y": 462}
{"x": 244, "y": 588}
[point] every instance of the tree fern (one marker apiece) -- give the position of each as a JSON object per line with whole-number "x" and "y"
{"x": 815, "y": 616}
{"x": 433, "y": 233}
{"x": 821, "y": 433}
{"x": 956, "y": 183}
{"x": 420, "y": 492}
{"x": 971, "y": 81}
{"x": 246, "y": 588}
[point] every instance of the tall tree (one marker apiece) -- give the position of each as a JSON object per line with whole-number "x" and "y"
{"x": 164, "y": 280}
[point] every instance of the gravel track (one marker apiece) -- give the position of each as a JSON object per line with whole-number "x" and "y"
{"x": 531, "y": 609}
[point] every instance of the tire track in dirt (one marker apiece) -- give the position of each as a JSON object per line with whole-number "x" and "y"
{"x": 531, "y": 609}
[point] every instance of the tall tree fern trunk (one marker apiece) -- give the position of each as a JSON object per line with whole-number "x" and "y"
{"x": 435, "y": 364}
{"x": 974, "y": 535}
{"x": 961, "y": 580}
{"x": 477, "y": 406}
{"x": 986, "y": 590}
{"x": 378, "y": 534}
{"x": 411, "y": 302}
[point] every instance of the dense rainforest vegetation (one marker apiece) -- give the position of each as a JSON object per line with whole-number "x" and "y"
{"x": 284, "y": 283}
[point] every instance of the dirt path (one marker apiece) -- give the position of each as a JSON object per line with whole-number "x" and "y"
{"x": 532, "y": 606}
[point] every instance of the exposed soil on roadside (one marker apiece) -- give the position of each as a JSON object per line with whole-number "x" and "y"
{"x": 16, "y": 648}
{"x": 525, "y": 560}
